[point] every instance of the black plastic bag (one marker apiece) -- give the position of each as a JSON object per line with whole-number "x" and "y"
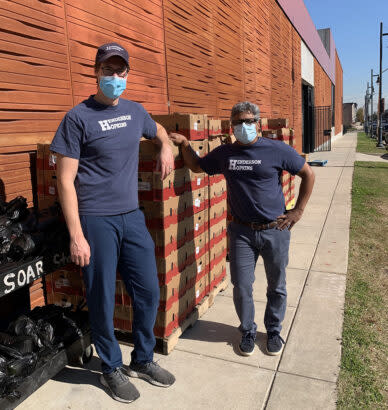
{"x": 24, "y": 326}
{"x": 22, "y": 367}
{"x": 17, "y": 209}
{"x": 21, "y": 247}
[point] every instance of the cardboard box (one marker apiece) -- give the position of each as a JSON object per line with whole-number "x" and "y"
{"x": 200, "y": 147}
{"x": 229, "y": 139}
{"x": 214, "y": 143}
{"x": 148, "y": 152}
{"x": 123, "y": 318}
{"x": 172, "y": 237}
{"x": 218, "y": 252}
{"x": 214, "y": 127}
{"x": 194, "y": 249}
{"x": 226, "y": 127}
{"x": 217, "y": 213}
{"x": 168, "y": 321}
{"x": 276, "y": 123}
{"x": 190, "y": 125}
{"x": 264, "y": 124}
{"x": 176, "y": 289}
{"x": 66, "y": 281}
{"x": 217, "y": 232}
{"x": 217, "y": 274}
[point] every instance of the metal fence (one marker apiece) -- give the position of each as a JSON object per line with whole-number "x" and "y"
{"x": 322, "y": 128}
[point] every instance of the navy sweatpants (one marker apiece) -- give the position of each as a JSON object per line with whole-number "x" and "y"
{"x": 121, "y": 242}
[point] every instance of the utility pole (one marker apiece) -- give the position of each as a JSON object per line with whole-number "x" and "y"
{"x": 380, "y": 114}
{"x": 371, "y": 103}
{"x": 366, "y": 109}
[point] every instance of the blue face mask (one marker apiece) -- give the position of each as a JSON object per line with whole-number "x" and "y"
{"x": 245, "y": 133}
{"x": 113, "y": 87}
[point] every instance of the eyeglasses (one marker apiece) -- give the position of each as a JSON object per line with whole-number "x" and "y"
{"x": 246, "y": 120}
{"x": 110, "y": 71}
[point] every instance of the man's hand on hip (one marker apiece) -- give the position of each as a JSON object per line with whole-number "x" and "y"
{"x": 80, "y": 250}
{"x": 165, "y": 161}
{"x": 289, "y": 219}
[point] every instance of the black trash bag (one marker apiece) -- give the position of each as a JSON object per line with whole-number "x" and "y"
{"x": 5, "y": 246}
{"x": 45, "y": 332}
{"x": 3, "y": 207}
{"x": 21, "y": 247}
{"x": 4, "y": 222}
{"x": 24, "y": 326}
{"x": 17, "y": 209}
{"x": 10, "y": 232}
{"x": 23, "y": 344}
{"x": 22, "y": 367}
{"x": 3, "y": 364}
{"x": 10, "y": 352}
{"x": 30, "y": 224}
{"x": 3, "y": 383}
{"x": 7, "y": 339}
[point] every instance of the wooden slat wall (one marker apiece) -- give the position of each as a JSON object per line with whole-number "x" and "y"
{"x": 34, "y": 77}
{"x": 138, "y": 28}
{"x": 338, "y": 95}
{"x": 196, "y": 56}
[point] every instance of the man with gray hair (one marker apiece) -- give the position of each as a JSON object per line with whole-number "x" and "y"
{"x": 261, "y": 225}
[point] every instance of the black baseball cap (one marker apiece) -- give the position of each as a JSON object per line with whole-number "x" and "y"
{"x": 109, "y": 50}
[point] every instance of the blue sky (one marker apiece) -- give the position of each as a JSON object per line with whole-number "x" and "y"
{"x": 355, "y": 25}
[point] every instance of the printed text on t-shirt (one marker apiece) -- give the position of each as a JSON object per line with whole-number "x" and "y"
{"x": 243, "y": 164}
{"x": 114, "y": 123}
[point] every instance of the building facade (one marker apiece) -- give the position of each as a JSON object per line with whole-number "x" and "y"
{"x": 186, "y": 56}
{"x": 349, "y": 113}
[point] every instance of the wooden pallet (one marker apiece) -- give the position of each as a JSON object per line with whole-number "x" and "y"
{"x": 166, "y": 345}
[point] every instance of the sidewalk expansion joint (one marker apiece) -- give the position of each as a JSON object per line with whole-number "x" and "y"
{"x": 223, "y": 360}
{"x": 307, "y": 377}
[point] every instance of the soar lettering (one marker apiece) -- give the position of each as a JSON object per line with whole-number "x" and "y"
{"x": 22, "y": 277}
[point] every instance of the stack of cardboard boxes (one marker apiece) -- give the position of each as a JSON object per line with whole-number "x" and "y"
{"x": 278, "y": 129}
{"x": 46, "y": 176}
{"x": 186, "y": 216}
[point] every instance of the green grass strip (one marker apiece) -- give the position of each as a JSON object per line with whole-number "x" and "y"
{"x": 367, "y": 145}
{"x": 364, "y": 364}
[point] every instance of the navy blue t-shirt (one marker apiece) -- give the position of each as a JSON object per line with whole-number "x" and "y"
{"x": 105, "y": 140}
{"x": 252, "y": 173}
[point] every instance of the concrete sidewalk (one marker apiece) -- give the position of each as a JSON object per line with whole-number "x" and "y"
{"x": 210, "y": 374}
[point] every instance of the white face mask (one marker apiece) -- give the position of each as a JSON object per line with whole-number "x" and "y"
{"x": 245, "y": 133}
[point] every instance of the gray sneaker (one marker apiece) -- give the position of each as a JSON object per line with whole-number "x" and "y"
{"x": 151, "y": 372}
{"x": 120, "y": 387}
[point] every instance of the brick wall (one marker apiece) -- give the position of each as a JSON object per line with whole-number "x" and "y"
{"x": 322, "y": 86}
{"x": 338, "y": 95}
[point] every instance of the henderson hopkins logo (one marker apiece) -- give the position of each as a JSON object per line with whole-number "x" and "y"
{"x": 243, "y": 164}
{"x": 114, "y": 123}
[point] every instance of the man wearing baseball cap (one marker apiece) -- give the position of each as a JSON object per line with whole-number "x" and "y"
{"x": 97, "y": 144}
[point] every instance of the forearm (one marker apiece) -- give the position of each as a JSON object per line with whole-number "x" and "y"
{"x": 161, "y": 136}
{"x": 305, "y": 190}
{"x": 190, "y": 157}
{"x": 69, "y": 204}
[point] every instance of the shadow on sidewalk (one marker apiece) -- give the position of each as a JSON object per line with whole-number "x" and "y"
{"x": 216, "y": 332}
{"x": 89, "y": 374}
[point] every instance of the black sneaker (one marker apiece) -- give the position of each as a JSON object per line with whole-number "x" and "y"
{"x": 247, "y": 344}
{"x": 275, "y": 343}
{"x": 152, "y": 373}
{"x": 120, "y": 387}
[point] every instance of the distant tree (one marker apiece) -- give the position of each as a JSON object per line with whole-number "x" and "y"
{"x": 360, "y": 115}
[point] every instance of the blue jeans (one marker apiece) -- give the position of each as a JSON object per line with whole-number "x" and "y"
{"x": 246, "y": 245}
{"x": 123, "y": 242}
